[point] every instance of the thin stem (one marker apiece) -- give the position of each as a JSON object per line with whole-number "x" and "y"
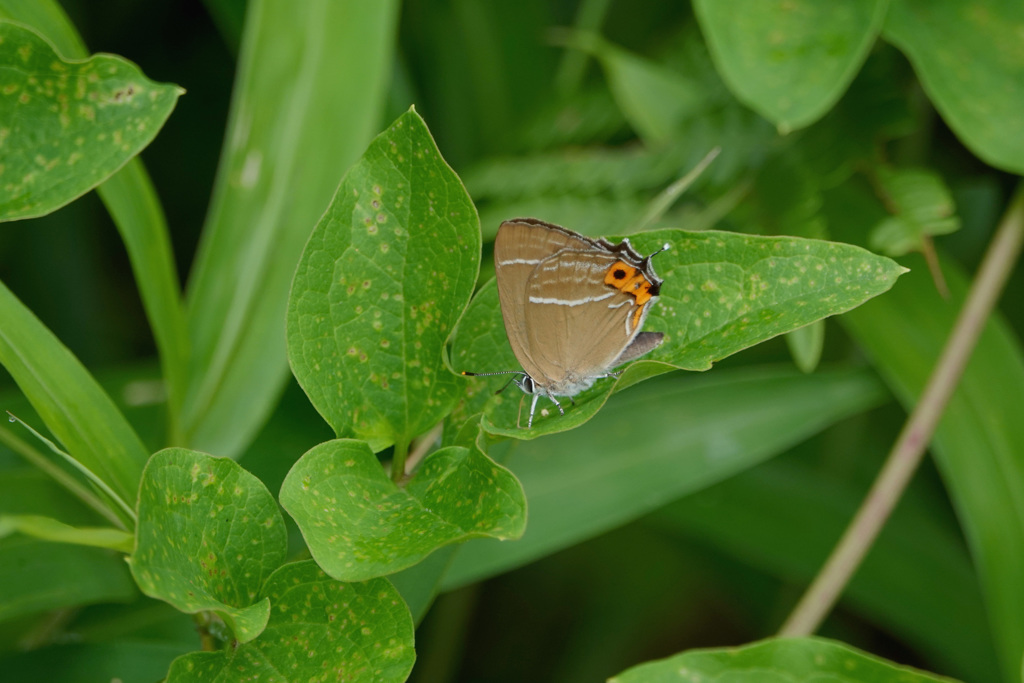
{"x": 75, "y": 487}
{"x": 398, "y": 461}
{"x": 909, "y": 448}
{"x": 932, "y": 259}
{"x": 660, "y": 204}
{"x": 423, "y": 444}
{"x": 103, "y": 486}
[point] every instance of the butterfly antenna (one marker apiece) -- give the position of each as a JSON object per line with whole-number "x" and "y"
{"x": 492, "y": 374}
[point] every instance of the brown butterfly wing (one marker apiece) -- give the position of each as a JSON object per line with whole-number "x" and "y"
{"x": 519, "y": 248}
{"x": 577, "y": 327}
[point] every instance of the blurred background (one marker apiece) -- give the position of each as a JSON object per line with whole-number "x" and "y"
{"x": 583, "y": 128}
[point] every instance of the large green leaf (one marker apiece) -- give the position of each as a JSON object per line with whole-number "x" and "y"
{"x": 979, "y": 444}
{"x": 68, "y": 124}
{"x": 779, "y": 660}
{"x": 319, "y": 629}
{"x": 723, "y": 292}
{"x": 967, "y": 55}
{"x": 50, "y": 529}
{"x": 660, "y": 442}
{"x": 385, "y": 276}
{"x": 790, "y": 60}
{"x": 209, "y": 535}
{"x": 73, "y": 406}
{"x": 311, "y": 83}
{"x": 359, "y": 524}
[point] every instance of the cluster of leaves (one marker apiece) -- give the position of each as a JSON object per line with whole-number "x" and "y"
{"x": 376, "y": 304}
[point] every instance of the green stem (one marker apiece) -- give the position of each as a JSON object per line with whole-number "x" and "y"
{"x": 398, "y": 461}
{"x": 75, "y": 487}
{"x": 909, "y": 448}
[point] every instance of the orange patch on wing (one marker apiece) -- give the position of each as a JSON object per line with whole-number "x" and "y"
{"x": 629, "y": 280}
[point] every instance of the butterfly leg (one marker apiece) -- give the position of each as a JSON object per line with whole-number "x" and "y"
{"x": 557, "y": 404}
{"x": 533, "y": 407}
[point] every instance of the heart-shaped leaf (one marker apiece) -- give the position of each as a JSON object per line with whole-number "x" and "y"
{"x": 209, "y": 534}
{"x": 385, "y": 275}
{"x": 319, "y": 629}
{"x": 68, "y": 125}
{"x": 723, "y": 292}
{"x": 778, "y": 660}
{"x": 790, "y": 61}
{"x": 359, "y": 524}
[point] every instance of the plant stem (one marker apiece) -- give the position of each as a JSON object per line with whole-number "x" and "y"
{"x": 909, "y": 448}
{"x": 398, "y": 461}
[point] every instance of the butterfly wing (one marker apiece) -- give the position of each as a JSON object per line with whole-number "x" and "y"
{"x": 519, "y": 248}
{"x": 577, "y": 325}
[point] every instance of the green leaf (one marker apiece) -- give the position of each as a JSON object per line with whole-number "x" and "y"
{"x": 628, "y": 463}
{"x": 49, "y": 19}
{"x": 125, "y": 662}
{"x": 319, "y": 627}
{"x": 311, "y": 87}
{"x": 36, "y": 576}
{"x": 655, "y": 99}
{"x": 921, "y": 205}
{"x": 135, "y": 208}
{"x": 806, "y": 344}
{"x": 778, "y": 660}
{"x": 359, "y": 524}
{"x": 967, "y": 56}
{"x": 979, "y": 444}
{"x": 723, "y": 292}
{"x": 67, "y": 398}
{"x": 385, "y": 276}
{"x": 917, "y": 556}
{"x": 69, "y": 124}
{"x": 49, "y": 529}
{"x": 790, "y": 60}
{"x": 209, "y": 534}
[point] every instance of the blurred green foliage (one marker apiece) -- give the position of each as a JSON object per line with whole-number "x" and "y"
{"x": 692, "y": 510}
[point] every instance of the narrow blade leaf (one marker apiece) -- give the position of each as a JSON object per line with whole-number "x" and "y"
{"x": 599, "y": 477}
{"x": 67, "y": 398}
{"x": 312, "y": 80}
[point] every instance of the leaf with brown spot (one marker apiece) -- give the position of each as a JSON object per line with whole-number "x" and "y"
{"x": 723, "y": 292}
{"x": 358, "y": 524}
{"x": 319, "y": 629}
{"x": 68, "y": 125}
{"x": 209, "y": 535}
